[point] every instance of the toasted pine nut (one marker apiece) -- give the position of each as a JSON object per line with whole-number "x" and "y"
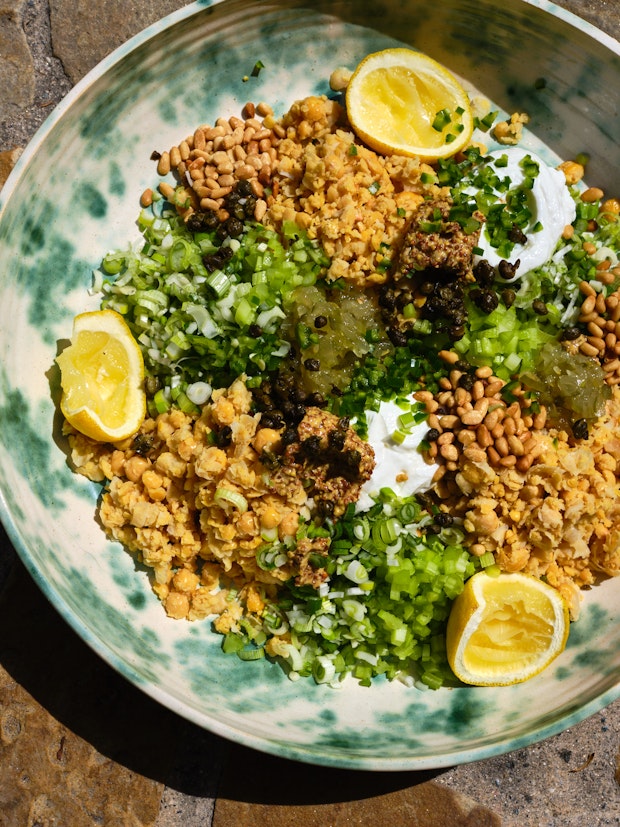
{"x": 588, "y": 306}
{"x": 163, "y": 165}
{"x": 450, "y": 357}
{"x": 592, "y": 194}
{"x": 586, "y": 288}
{"x": 472, "y": 417}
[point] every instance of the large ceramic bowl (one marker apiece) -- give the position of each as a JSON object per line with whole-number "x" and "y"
{"x": 74, "y": 195}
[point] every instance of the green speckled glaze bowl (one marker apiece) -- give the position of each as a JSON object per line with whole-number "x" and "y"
{"x": 74, "y": 195}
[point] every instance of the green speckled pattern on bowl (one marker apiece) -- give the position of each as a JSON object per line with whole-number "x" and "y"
{"x": 74, "y": 195}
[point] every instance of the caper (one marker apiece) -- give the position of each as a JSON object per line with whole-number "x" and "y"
{"x": 151, "y": 385}
{"x": 571, "y": 333}
{"x": 244, "y": 188}
{"x": 507, "y": 270}
{"x": 397, "y": 337}
{"x": 234, "y": 227}
{"x": 580, "y": 429}
{"x": 484, "y": 273}
{"x": 508, "y": 297}
{"x": 466, "y": 381}
{"x": 516, "y": 235}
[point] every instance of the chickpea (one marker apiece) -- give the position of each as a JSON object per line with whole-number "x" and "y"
{"x": 135, "y": 468}
{"x": 177, "y": 605}
{"x": 266, "y": 439}
{"x": 288, "y": 525}
{"x": 152, "y": 479}
{"x": 185, "y": 581}
{"x": 611, "y": 205}
{"x": 573, "y": 172}
{"x": 246, "y": 524}
{"x": 270, "y": 518}
{"x": 117, "y": 462}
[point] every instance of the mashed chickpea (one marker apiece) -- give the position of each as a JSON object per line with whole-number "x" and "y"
{"x": 192, "y": 497}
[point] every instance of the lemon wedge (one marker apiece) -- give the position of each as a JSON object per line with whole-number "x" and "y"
{"x": 505, "y": 629}
{"x": 102, "y": 376}
{"x": 404, "y": 102}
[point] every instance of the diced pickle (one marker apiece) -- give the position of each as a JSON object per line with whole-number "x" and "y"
{"x": 340, "y": 339}
{"x": 571, "y": 384}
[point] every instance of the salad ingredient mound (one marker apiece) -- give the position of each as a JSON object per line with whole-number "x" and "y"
{"x": 370, "y": 378}
{"x": 504, "y": 630}
{"x": 402, "y": 101}
{"x": 102, "y": 374}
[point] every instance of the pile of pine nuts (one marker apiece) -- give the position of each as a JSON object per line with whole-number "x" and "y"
{"x": 473, "y": 425}
{"x": 601, "y": 315}
{"x": 211, "y": 161}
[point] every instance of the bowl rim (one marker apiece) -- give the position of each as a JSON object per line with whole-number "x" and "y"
{"x": 258, "y": 742}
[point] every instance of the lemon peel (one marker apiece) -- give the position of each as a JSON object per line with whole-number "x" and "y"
{"x": 505, "y": 629}
{"x": 400, "y": 101}
{"x": 102, "y": 376}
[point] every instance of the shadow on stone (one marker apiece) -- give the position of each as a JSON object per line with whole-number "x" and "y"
{"x": 76, "y": 687}
{"x": 42, "y": 654}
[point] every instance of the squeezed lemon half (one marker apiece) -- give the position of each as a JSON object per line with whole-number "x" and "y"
{"x": 102, "y": 376}
{"x": 402, "y": 101}
{"x": 505, "y": 629}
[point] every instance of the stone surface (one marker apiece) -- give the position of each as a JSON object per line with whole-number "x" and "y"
{"x": 8, "y": 159}
{"x": 16, "y": 63}
{"x": 271, "y": 792}
{"x": 84, "y": 32}
{"x": 79, "y": 746}
{"x": 49, "y": 774}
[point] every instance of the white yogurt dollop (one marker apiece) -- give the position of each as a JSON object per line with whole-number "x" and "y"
{"x": 400, "y": 467}
{"x": 549, "y": 201}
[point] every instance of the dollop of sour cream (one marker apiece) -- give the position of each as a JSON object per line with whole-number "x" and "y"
{"x": 549, "y": 201}
{"x": 399, "y": 466}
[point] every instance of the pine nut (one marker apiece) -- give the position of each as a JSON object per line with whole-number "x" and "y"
{"x": 483, "y": 436}
{"x": 592, "y": 194}
{"x": 587, "y": 349}
{"x": 501, "y": 446}
{"x": 508, "y": 461}
{"x": 587, "y": 289}
{"x": 260, "y": 209}
{"x": 466, "y": 437}
{"x": 493, "y": 456}
{"x": 449, "y": 452}
{"x": 516, "y": 446}
{"x": 163, "y": 165}
{"x": 524, "y": 463}
{"x": 472, "y": 417}
{"x": 166, "y": 190}
{"x": 448, "y": 356}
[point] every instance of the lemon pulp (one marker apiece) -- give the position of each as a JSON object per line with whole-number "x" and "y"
{"x": 100, "y": 365}
{"x": 405, "y": 106}
{"x": 505, "y": 629}
{"x": 512, "y": 631}
{"x": 402, "y": 101}
{"x": 102, "y": 371}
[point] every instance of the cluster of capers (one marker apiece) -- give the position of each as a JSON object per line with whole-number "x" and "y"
{"x": 282, "y": 400}
{"x": 238, "y": 208}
